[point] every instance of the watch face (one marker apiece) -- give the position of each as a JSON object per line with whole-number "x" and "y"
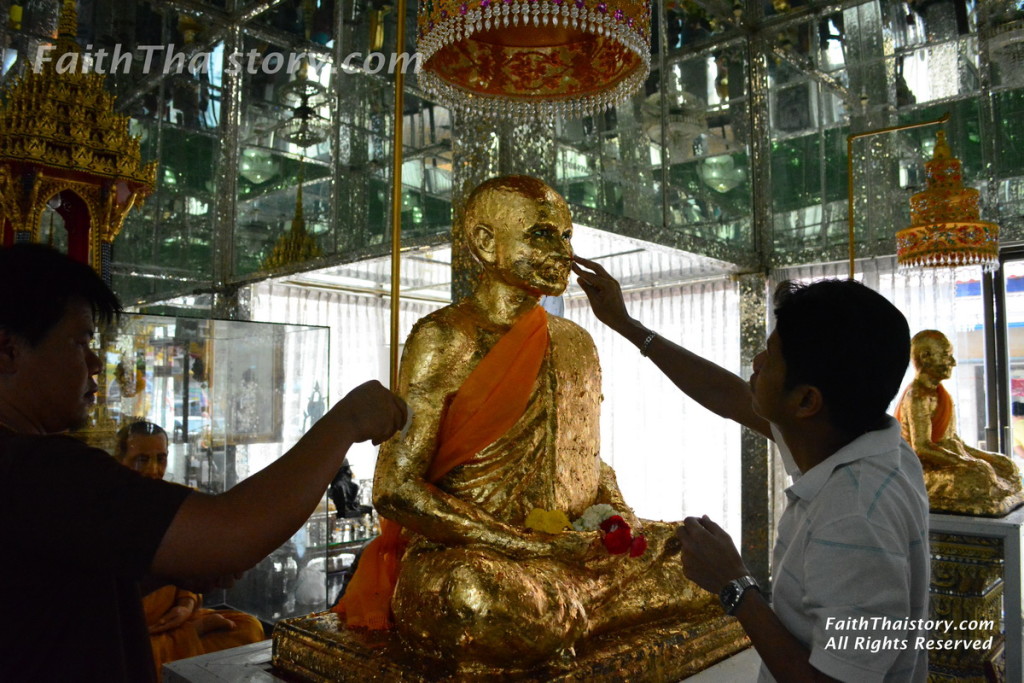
{"x": 733, "y": 592}
{"x": 729, "y": 594}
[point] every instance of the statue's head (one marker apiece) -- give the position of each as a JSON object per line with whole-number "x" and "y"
{"x": 520, "y": 231}
{"x": 932, "y": 353}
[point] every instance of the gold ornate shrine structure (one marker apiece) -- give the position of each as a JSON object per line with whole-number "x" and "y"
{"x": 61, "y": 140}
{"x": 967, "y": 587}
{"x": 975, "y": 585}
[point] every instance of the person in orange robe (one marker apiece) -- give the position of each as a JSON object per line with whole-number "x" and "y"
{"x": 179, "y": 625}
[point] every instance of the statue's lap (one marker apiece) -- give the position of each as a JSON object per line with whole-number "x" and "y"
{"x": 474, "y": 614}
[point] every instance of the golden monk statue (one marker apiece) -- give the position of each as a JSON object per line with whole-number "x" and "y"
{"x": 505, "y": 404}
{"x": 958, "y": 478}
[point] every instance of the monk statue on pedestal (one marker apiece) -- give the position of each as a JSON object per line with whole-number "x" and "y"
{"x": 505, "y": 403}
{"x": 959, "y": 478}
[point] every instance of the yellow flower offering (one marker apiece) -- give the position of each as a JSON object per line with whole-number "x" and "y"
{"x": 548, "y": 521}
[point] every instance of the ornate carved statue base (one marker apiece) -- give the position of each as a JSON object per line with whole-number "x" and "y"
{"x": 315, "y": 649}
{"x": 967, "y": 588}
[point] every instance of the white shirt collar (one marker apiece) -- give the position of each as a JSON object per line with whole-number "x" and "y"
{"x": 864, "y": 446}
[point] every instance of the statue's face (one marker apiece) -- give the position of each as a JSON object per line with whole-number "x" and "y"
{"x": 936, "y": 357}
{"x": 147, "y": 454}
{"x": 532, "y": 242}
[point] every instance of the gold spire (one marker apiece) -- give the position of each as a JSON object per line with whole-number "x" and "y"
{"x": 299, "y": 220}
{"x": 67, "y": 28}
{"x": 65, "y": 119}
{"x": 942, "y": 150}
{"x": 296, "y": 245}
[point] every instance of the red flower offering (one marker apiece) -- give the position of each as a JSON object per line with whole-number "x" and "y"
{"x": 617, "y": 536}
{"x": 639, "y": 546}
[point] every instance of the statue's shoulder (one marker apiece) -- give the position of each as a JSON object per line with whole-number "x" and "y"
{"x": 565, "y": 331}
{"x": 919, "y": 392}
{"x": 446, "y": 329}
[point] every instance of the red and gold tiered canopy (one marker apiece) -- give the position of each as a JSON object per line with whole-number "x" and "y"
{"x": 533, "y": 59}
{"x": 945, "y": 228}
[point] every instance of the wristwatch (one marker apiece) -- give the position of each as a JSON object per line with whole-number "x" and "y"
{"x": 734, "y": 590}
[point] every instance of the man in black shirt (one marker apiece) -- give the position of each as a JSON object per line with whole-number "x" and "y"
{"x": 78, "y": 530}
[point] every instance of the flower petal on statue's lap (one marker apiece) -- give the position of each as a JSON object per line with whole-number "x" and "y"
{"x": 618, "y": 540}
{"x": 638, "y": 546}
{"x": 613, "y": 523}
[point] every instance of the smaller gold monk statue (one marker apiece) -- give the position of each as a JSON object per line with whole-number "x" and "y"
{"x": 959, "y": 478}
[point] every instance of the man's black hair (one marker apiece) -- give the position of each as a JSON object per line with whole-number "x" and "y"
{"x": 848, "y": 341}
{"x": 36, "y": 285}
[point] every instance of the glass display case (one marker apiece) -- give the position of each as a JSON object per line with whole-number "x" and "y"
{"x": 233, "y": 397}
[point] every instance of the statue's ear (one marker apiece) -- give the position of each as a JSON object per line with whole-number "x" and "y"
{"x": 481, "y": 237}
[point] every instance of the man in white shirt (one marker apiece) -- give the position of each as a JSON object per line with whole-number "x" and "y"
{"x": 851, "y": 558}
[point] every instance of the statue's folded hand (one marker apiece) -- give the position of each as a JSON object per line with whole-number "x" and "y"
{"x": 574, "y": 547}
{"x": 1002, "y": 465}
{"x": 938, "y": 455}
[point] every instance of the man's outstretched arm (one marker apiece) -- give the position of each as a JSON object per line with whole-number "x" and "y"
{"x": 709, "y": 384}
{"x": 229, "y": 533}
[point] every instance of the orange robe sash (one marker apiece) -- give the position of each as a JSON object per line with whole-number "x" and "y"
{"x": 940, "y": 418}
{"x": 488, "y": 404}
{"x": 943, "y": 414}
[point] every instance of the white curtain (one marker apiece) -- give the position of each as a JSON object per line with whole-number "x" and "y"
{"x": 673, "y": 458}
{"x": 930, "y": 299}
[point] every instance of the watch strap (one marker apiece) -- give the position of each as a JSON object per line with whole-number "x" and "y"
{"x": 734, "y": 591}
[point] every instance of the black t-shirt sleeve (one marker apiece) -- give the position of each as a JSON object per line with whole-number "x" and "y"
{"x": 65, "y": 502}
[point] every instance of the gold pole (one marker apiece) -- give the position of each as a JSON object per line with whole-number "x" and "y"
{"x": 396, "y": 193}
{"x": 849, "y": 167}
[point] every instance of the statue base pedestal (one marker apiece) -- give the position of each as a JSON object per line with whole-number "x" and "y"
{"x": 976, "y": 583}
{"x": 977, "y": 508}
{"x": 315, "y": 648}
{"x": 967, "y": 589}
